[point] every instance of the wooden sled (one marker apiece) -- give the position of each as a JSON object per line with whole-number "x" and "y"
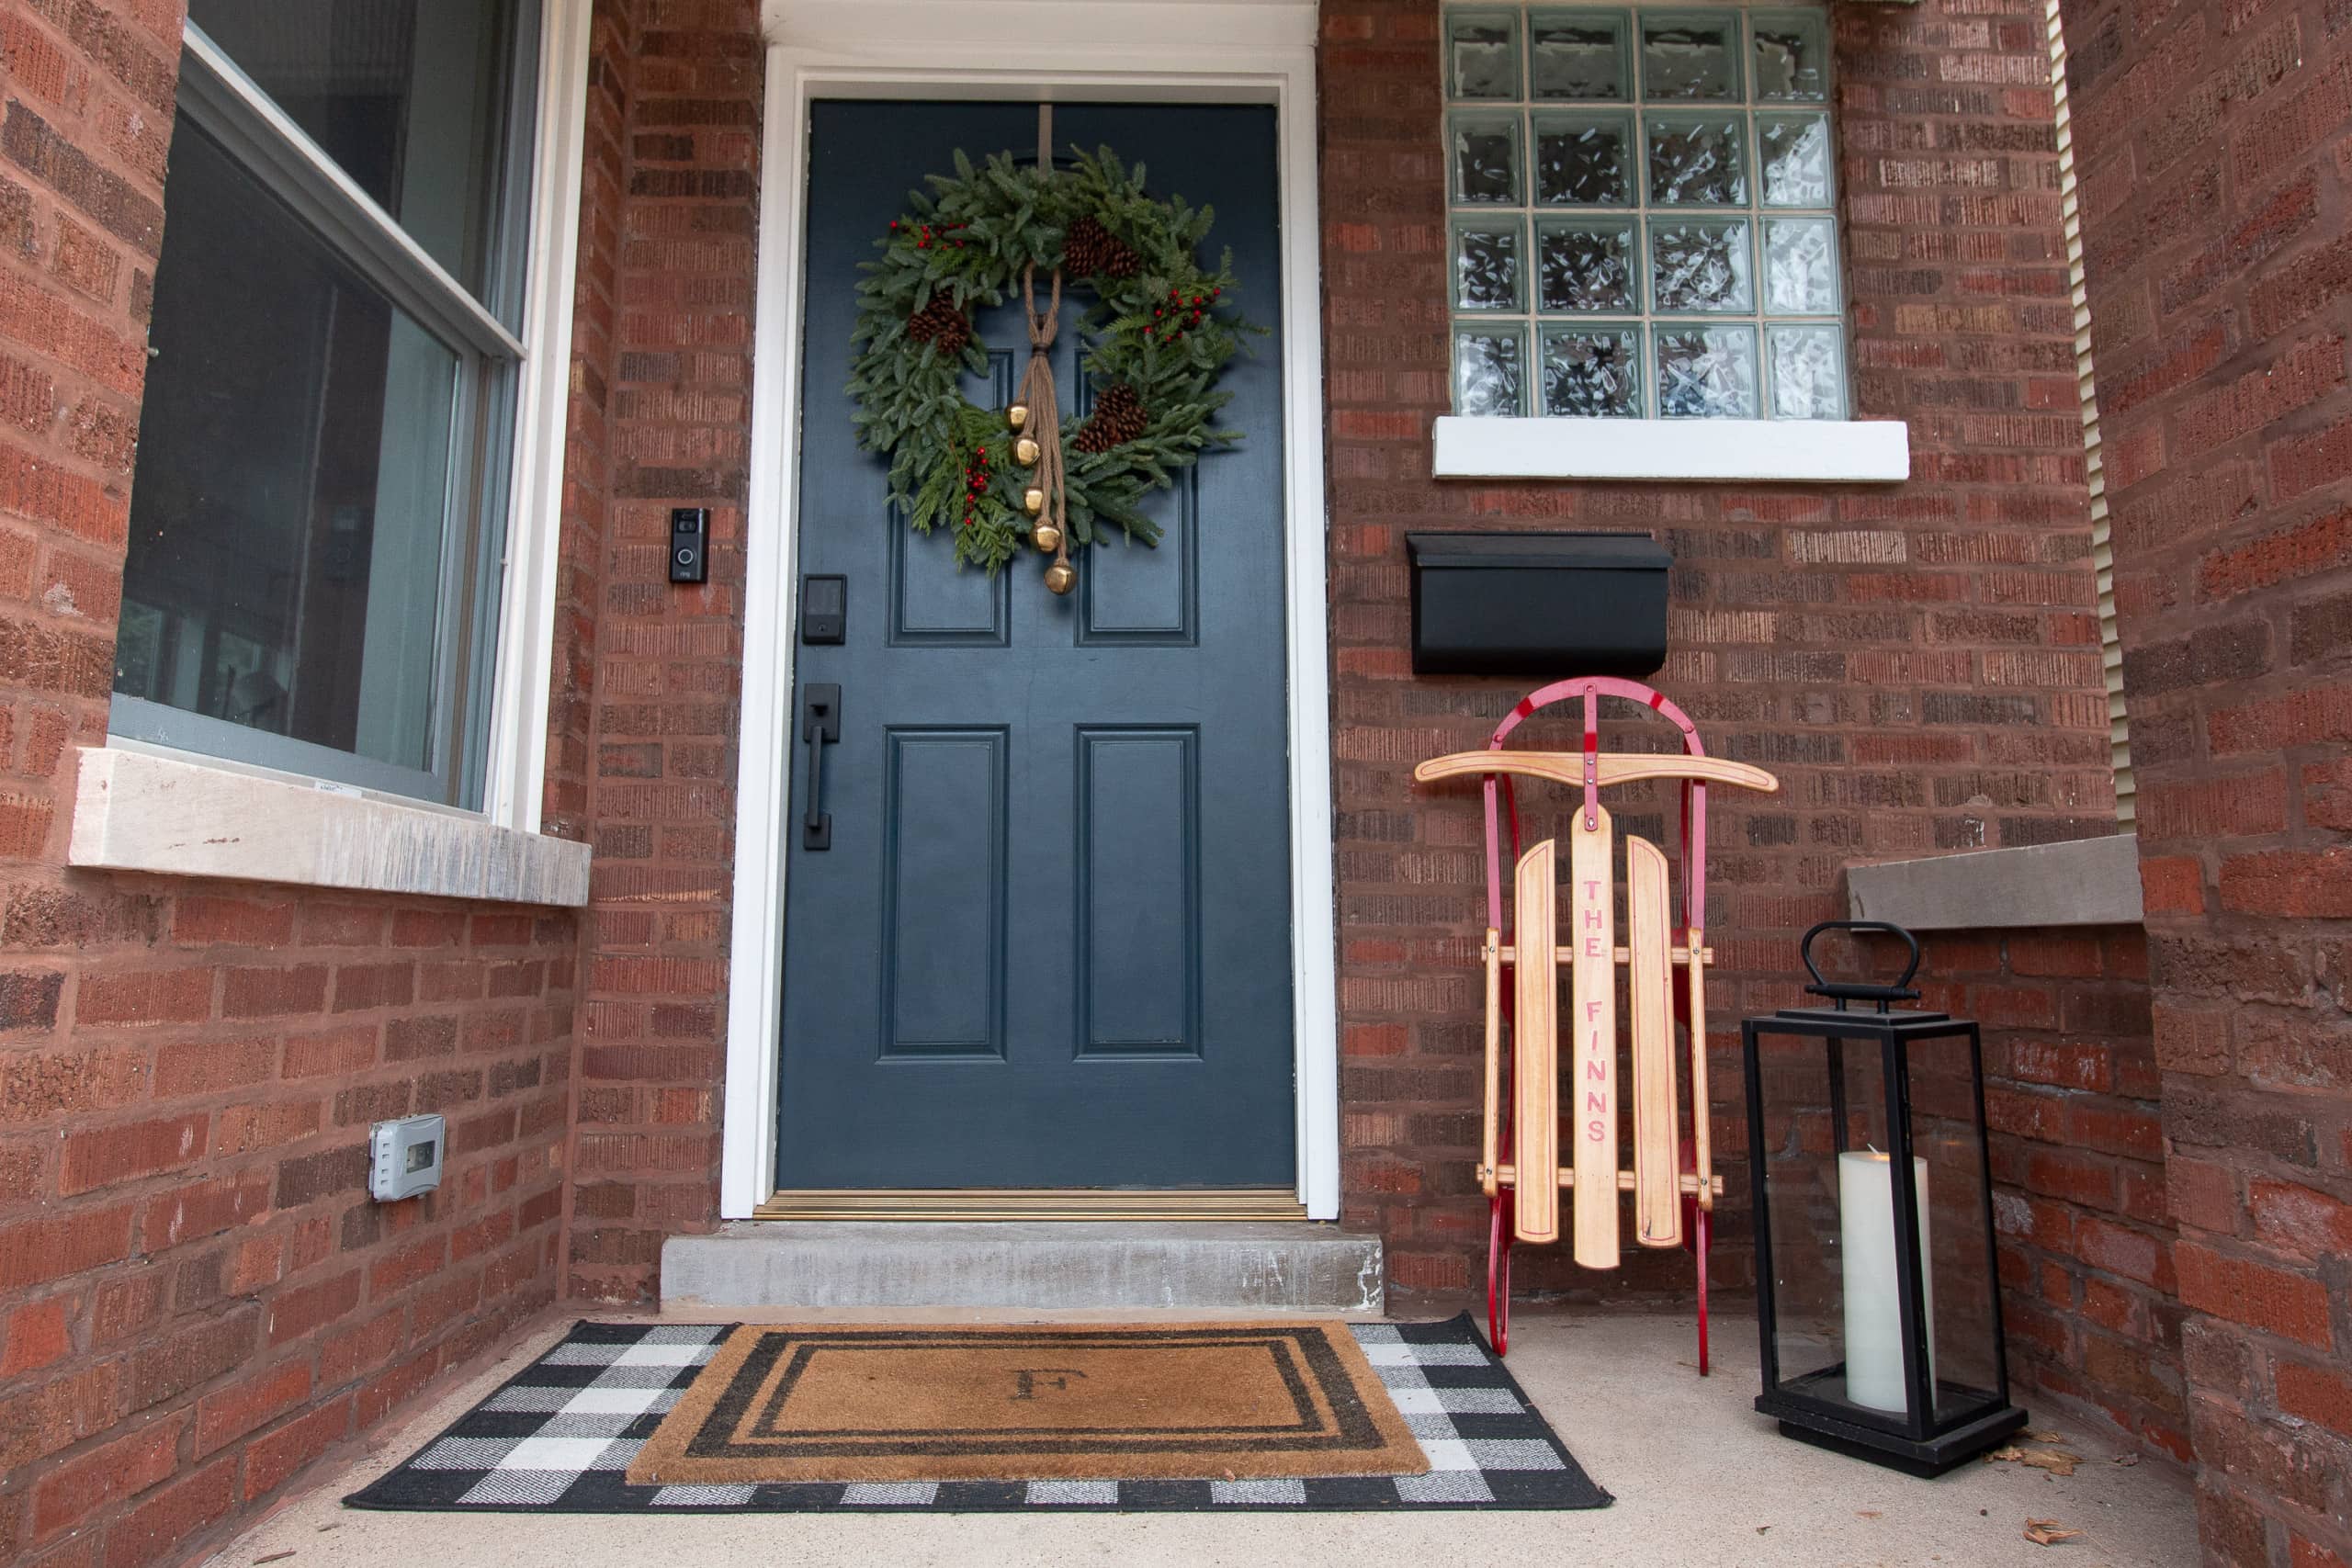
{"x": 1671, "y": 1177}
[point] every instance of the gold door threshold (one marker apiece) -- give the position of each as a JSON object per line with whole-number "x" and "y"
{"x": 1034, "y": 1204}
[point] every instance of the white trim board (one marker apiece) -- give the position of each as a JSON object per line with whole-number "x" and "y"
{"x": 523, "y": 681}
{"x": 1864, "y": 451}
{"x": 1139, "y": 50}
{"x": 1093, "y": 34}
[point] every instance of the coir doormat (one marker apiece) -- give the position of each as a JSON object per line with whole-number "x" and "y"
{"x": 1039, "y": 1402}
{"x": 565, "y": 1434}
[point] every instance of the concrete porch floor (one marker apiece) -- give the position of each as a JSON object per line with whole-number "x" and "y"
{"x": 1701, "y": 1482}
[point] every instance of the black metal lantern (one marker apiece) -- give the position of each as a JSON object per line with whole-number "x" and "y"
{"x": 1879, "y": 1300}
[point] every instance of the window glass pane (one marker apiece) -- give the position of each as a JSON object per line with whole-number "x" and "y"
{"x": 1792, "y": 57}
{"x": 286, "y": 555}
{"x": 1706, "y": 372}
{"x": 1489, "y": 364}
{"x": 1691, "y": 54}
{"x": 1699, "y": 265}
{"x": 1800, "y": 266}
{"x": 1486, "y": 266}
{"x": 1584, "y": 160}
{"x": 404, "y": 95}
{"x": 1578, "y": 54}
{"x": 1698, "y": 158}
{"x": 1808, "y": 372}
{"x": 1640, "y": 210}
{"x": 1792, "y": 151}
{"x": 1585, "y": 266}
{"x": 1593, "y": 372}
{"x": 1482, "y": 54}
{"x": 1486, "y": 160}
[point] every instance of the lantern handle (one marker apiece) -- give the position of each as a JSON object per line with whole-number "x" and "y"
{"x": 1843, "y": 992}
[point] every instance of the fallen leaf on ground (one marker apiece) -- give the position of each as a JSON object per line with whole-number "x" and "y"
{"x": 1762, "y": 1529}
{"x": 1868, "y": 1513}
{"x": 2057, "y": 1462}
{"x": 2127, "y": 1459}
{"x": 273, "y": 1557}
{"x": 2049, "y": 1532}
{"x": 2047, "y": 1436}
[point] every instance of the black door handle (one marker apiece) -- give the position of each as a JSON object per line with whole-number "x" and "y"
{"x": 820, "y": 721}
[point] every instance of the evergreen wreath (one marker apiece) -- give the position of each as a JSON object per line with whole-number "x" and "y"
{"x": 1157, "y": 337}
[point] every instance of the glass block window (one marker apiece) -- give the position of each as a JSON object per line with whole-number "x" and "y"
{"x": 1643, "y": 212}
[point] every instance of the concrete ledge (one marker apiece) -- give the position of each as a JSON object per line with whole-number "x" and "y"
{"x": 2083, "y": 882}
{"x": 138, "y": 810}
{"x": 1213, "y": 1267}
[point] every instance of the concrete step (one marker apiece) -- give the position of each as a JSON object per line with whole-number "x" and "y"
{"x": 1222, "y": 1267}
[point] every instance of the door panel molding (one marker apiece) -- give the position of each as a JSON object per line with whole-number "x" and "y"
{"x": 943, "y": 830}
{"x": 1157, "y": 590}
{"x": 1152, "y": 55}
{"x": 1135, "y": 983}
{"x": 943, "y": 609}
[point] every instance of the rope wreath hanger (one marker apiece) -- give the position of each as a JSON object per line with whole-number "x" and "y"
{"x": 1155, "y": 340}
{"x": 1035, "y": 405}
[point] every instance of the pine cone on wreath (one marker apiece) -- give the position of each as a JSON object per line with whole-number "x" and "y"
{"x": 1118, "y": 418}
{"x": 940, "y": 322}
{"x": 1089, "y": 250}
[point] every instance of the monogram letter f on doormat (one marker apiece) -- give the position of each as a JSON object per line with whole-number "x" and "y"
{"x": 1236, "y": 1401}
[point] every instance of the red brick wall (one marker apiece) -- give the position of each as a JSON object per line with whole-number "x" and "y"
{"x": 1918, "y": 662}
{"x": 676, "y": 429}
{"x": 196, "y": 1296}
{"x": 2089, "y": 1298}
{"x": 2214, "y": 144}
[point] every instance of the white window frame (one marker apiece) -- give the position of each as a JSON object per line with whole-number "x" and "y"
{"x": 1537, "y": 445}
{"x": 126, "y": 779}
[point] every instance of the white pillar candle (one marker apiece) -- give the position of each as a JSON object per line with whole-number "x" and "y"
{"x": 1873, "y": 1304}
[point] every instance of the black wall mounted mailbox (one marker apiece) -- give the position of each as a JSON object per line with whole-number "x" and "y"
{"x": 1536, "y": 604}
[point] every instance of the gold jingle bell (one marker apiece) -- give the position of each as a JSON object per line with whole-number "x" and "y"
{"x": 1047, "y": 537}
{"x": 1061, "y": 577}
{"x": 1035, "y": 500}
{"x": 1025, "y": 452}
{"x": 1017, "y": 415}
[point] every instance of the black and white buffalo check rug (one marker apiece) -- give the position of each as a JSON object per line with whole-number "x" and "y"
{"x": 559, "y": 1438}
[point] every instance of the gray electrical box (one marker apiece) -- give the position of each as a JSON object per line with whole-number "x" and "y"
{"x": 406, "y": 1158}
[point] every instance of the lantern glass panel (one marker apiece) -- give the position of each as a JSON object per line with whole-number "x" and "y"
{"x": 1947, "y": 1142}
{"x": 1806, "y": 1083}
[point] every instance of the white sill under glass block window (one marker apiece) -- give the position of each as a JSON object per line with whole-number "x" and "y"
{"x": 1642, "y": 212}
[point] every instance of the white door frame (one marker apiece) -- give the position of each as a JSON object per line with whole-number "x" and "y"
{"x": 1257, "y": 51}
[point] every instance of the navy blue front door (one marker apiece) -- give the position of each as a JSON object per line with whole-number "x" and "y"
{"x": 1049, "y": 943}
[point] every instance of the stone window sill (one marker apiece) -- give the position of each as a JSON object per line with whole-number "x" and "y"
{"x": 151, "y": 810}
{"x": 2083, "y": 882}
{"x": 1868, "y": 451}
